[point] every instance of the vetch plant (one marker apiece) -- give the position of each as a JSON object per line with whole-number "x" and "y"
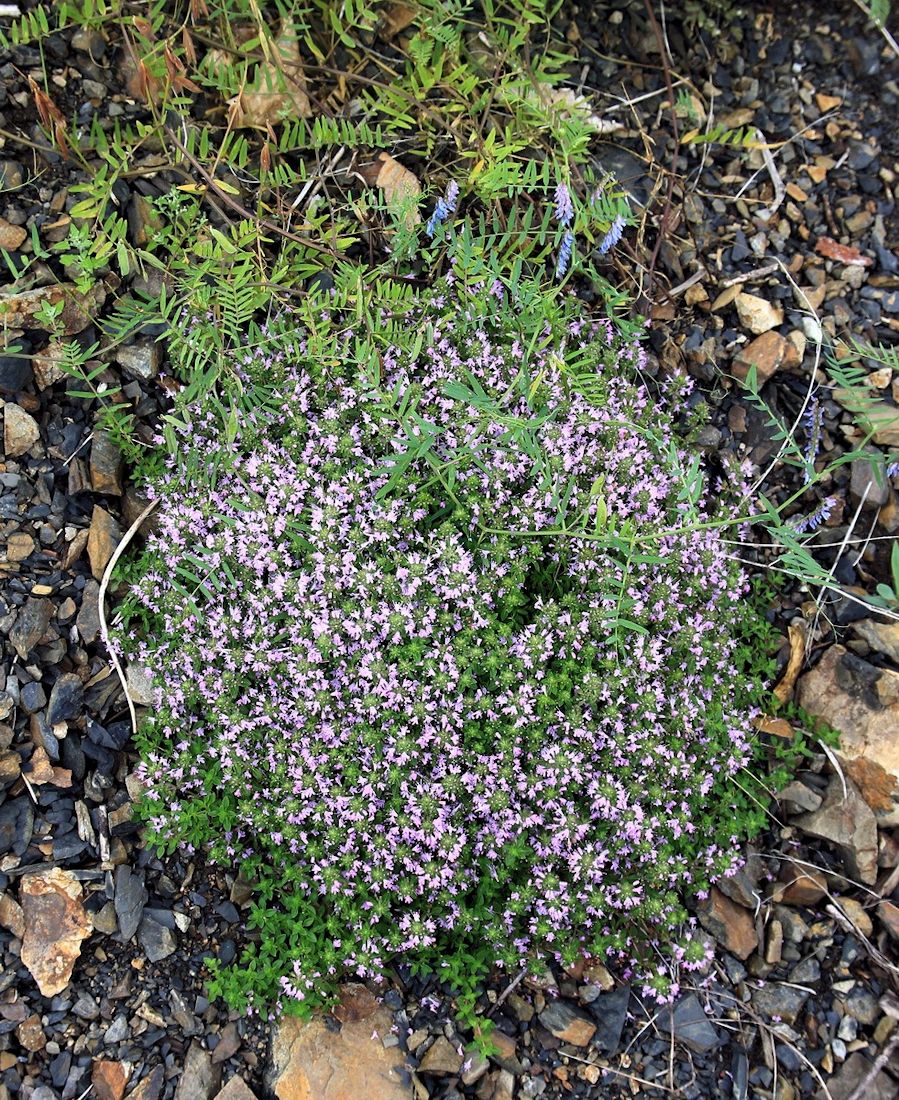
{"x": 420, "y": 669}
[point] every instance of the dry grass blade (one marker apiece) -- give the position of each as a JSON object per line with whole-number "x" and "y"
{"x": 101, "y": 605}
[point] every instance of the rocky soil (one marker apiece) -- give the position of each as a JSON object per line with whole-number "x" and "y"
{"x": 103, "y": 946}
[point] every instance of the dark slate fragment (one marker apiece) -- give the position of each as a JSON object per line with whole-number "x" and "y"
{"x": 66, "y": 699}
{"x": 130, "y": 899}
{"x": 33, "y": 697}
{"x": 157, "y": 941}
{"x": 609, "y": 1010}
{"x": 31, "y": 625}
{"x": 690, "y": 1025}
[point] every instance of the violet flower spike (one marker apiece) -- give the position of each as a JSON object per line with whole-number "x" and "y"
{"x": 444, "y": 206}
{"x": 814, "y": 519}
{"x": 564, "y": 205}
{"x": 814, "y": 420}
{"x": 566, "y": 248}
{"x": 892, "y": 469}
{"x": 613, "y": 236}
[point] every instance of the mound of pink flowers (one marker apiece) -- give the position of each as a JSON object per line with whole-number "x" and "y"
{"x": 440, "y": 649}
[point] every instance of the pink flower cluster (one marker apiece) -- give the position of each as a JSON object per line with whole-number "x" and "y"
{"x": 445, "y": 713}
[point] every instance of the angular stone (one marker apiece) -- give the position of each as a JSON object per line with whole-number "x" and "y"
{"x": 441, "y": 1058}
{"x": 140, "y": 360}
{"x": 18, "y": 310}
{"x": 47, "y": 371}
{"x": 31, "y": 1035}
{"x": 10, "y": 767}
{"x": 568, "y": 1024}
{"x": 766, "y": 353}
{"x": 610, "y": 1012}
{"x": 857, "y": 915}
{"x": 776, "y": 999}
{"x": 11, "y": 915}
{"x": 106, "y": 465}
{"x": 150, "y": 1087}
{"x": 756, "y": 314}
{"x": 66, "y": 699}
{"x": 200, "y": 1079}
{"x": 849, "y": 694}
{"x": 109, "y": 1079}
{"x": 11, "y": 236}
{"x": 798, "y": 886}
{"x": 130, "y": 899}
{"x": 849, "y": 1078}
{"x": 868, "y": 481}
{"x": 31, "y": 625}
{"x": 157, "y": 941}
{"x": 690, "y": 1025}
{"x": 798, "y": 798}
{"x": 228, "y": 1044}
{"x": 104, "y": 536}
{"x": 140, "y": 684}
{"x": 20, "y": 430}
{"x": 730, "y": 924}
{"x": 312, "y": 1061}
{"x": 847, "y": 822}
{"x": 88, "y": 620}
{"x": 55, "y": 925}
{"x": 235, "y": 1089}
{"x": 882, "y": 637}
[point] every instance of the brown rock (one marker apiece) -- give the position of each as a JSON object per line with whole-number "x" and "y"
{"x": 109, "y": 1079}
{"x": 31, "y": 1035}
{"x": 766, "y": 353}
{"x": 55, "y": 925}
{"x": 19, "y": 546}
{"x": 884, "y": 422}
{"x": 229, "y": 1040}
{"x": 797, "y": 797}
{"x": 104, "y": 536}
{"x": 106, "y": 465}
{"x": 311, "y": 1062}
{"x": 47, "y": 370}
{"x": 889, "y": 918}
{"x": 567, "y": 1023}
{"x": 441, "y": 1058}
{"x": 11, "y": 915}
{"x": 756, "y": 314}
{"x": 235, "y": 1090}
{"x": 18, "y": 310}
{"x": 848, "y": 823}
{"x": 10, "y": 767}
{"x": 11, "y": 236}
{"x": 20, "y": 431}
{"x": 730, "y": 924}
{"x": 799, "y": 886}
{"x": 838, "y": 690}
{"x": 856, "y": 914}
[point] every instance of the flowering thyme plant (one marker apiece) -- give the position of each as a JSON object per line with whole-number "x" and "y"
{"x": 438, "y": 655}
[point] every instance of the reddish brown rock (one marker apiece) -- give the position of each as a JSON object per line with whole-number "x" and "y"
{"x": 31, "y": 1035}
{"x": 20, "y": 430}
{"x": 104, "y": 536}
{"x": 730, "y": 924}
{"x": 799, "y": 886}
{"x": 11, "y": 236}
{"x": 109, "y": 1079}
{"x": 860, "y": 701}
{"x": 55, "y": 925}
{"x": 235, "y": 1090}
{"x": 442, "y": 1058}
{"x": 766, "y": 353}
{"x": 312, "y": 1062}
